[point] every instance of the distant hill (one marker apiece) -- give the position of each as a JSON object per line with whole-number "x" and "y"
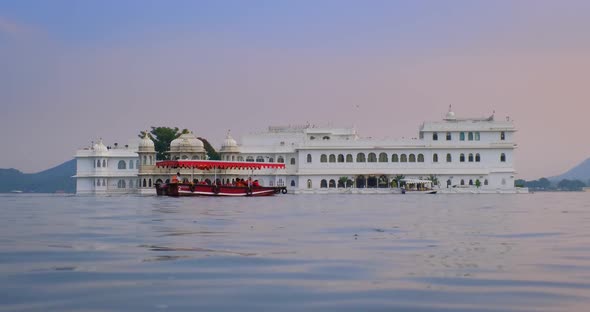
{"x": 580, "y": 172}
{"x": 56, "y": 179}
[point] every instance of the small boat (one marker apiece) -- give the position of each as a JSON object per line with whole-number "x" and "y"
{"x": 417, "y": 186}
{"x": 179, "y": 188}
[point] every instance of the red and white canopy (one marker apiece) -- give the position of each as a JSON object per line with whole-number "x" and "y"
{"x": 212, "y": 164}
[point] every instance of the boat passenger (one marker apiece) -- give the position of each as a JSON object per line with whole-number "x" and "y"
{"x": 255, "y": 183}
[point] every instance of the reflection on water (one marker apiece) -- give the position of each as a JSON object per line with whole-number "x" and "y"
{"x": 328, "y": 253}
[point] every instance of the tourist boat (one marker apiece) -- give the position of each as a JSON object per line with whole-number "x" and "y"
{"x": 417, "y": 186}
{"x": 189, "y": 188}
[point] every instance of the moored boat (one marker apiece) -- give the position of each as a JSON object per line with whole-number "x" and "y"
{"x": 188, "y": 188}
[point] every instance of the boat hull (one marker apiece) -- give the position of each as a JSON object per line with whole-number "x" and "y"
{"x": 181, "y": 189}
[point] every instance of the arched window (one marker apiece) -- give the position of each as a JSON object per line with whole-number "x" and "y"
{"x": 144, "y": 160}
{"x": 240, "y": 158}
{"x": 97, "y": 182}
{"x": 326, "y": 138}
{"x": 372, "y": 157}
{"x": 121, "y": 184}
{"x": 502, "y": 135}
{"x": 309, "y": 183}
{"x": 462, "y": 136}
{"x": 121, "y": 165}
{"x": 130, "y": 165}
{"x": 462, "y": 182}
{"x": 292, "y": 182}
{"x": 104, "y": 163}
{"x": 382, "y": 157}
{"x": 233, "y": 157}
{"x": 470, "y": 136}
{"x": 282, "y": 160}
{"x": 150, "y": 182}
{"x": 292, "y": 160}
{"x": 477, "y": 136}
{"x": 184, "y": 157}
{"x": 449, "y": 158}
{"x": 98, "y": 163}
{"x": 259, "y": 159}
{"x": 485, "y": 182}
{"x": 137, "y": 164}
{"x": 348, "y": 158}
{"x": 503, "y": 181}
{"x": 462, "y": 157}
{"x": 503, "y": 157}
{"x": 312, "y": 137}
{"x": 340, "y": 158}
{"x": 449, "y": 137}
{"x": 104, "y": 182}
{"x": 412, "y": 158}
{"x": 470, "y": 182}
{"x": 435, "y": 136}
{"x": 420, "y": 158}
{"x": 309, "y": 158}
{"x": 470, "y": 157}
{"x": 176, "y": 157}
{"x": 271, "y": 160}
{"x": 323, "y": 158}
{"x": 250, "y": 158}
{"x": 144, "y": 183}
{"x": 332, "y": 158}
{"x": 403, "y": 158}
{"x": 477, "y": 157}
{"x": 332, "y": 183}
{"x": 394, "y": 158}
{"x": 360, "y": 157}
{"x": 152, "y": 160}
{"x": 435, "y": 158}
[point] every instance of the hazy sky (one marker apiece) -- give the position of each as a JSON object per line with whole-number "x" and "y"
{"x": 73, "y": 71}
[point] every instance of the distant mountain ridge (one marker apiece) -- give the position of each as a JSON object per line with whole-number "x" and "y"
{"x": 56, "y": 179}
{"x": 580, "y": 172}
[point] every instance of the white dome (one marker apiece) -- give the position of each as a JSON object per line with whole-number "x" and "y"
{"x": 450, "y": 114}
{"x": 146, "y": 143}
{"x": 186, "y": 141}
{"x": 229, "y": 141}
{"x": 99, "y": 147}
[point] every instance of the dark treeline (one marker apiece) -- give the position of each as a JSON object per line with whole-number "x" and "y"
{"x": 544, "y": 184}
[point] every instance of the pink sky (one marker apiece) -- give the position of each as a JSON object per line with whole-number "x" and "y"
{"x": 58, "y": 95}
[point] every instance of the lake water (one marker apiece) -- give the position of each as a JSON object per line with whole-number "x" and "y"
{"x": 296, "y": 252}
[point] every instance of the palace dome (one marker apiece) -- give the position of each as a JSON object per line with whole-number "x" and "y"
{"x": 187, "y": 142}
{"x": 146, "y": 143}
{"x": 100, "y": 147}
{"x": 229, "y": 144}
{"x": 450, "y": 115}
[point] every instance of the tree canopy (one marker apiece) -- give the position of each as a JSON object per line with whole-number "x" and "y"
{"x": 211, "y": 152}
{"x": 163, "y": 136}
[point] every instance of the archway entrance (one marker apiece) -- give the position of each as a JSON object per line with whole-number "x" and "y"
{"x": 361, "y": 181}
{"x": 372, "y": 182}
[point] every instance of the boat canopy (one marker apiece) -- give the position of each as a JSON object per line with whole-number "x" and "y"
{"x": 213, "y": 164}
{"x": 415, "y": 181}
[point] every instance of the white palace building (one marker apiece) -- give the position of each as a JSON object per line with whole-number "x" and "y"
{"x": 472, "y": 155}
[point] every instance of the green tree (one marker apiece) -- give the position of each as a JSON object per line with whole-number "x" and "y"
{"x": 162, "y": 136}
{"x": 434, "y": 179}
{"x": 398, "y": 179}
{"x": 477, "y": 183}
{"x": 211, "y": 152}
